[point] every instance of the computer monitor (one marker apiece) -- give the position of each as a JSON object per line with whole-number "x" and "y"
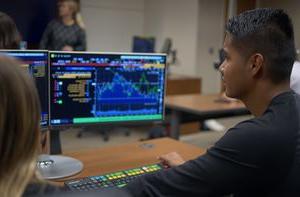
{"x": 88, "y": 88}
{"x": 36, "y": 63}
{"x": 143, "y": 44}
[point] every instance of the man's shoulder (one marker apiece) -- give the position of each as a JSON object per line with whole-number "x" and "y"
{"x": 258, "y": 124}
{"x": 274, "y": 130}
{"x": 282, "y": 114}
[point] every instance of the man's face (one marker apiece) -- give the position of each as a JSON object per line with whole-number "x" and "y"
{"x": 234, "y": 72}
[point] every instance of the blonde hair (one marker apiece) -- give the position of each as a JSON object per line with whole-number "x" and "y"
{"x": 75, "y": 7}
{"x": 19, "y": 128}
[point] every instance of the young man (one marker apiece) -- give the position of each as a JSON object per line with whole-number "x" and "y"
{"x": 257, "y": 157}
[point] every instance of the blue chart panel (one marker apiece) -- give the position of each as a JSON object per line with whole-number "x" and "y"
{"x": 124, "y": 91}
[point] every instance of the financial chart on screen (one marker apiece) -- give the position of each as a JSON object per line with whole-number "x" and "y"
{"x": 36, "y": 63}
{"x": 101, "y": 88}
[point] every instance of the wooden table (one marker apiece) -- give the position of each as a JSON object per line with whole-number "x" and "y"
{"x": 181, "y": 84}
{"x": 106, "y": 160}
{"x": 191, "y": 107}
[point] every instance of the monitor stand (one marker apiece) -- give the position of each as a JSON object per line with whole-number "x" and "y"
{"x": 57, "y": 167}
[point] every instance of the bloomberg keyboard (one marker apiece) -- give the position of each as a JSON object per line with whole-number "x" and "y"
{"x": 115, "y": 179}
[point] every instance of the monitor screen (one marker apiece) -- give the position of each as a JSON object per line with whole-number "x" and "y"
{"x": 36, "y": 63}
{"x": 88, "y": 88}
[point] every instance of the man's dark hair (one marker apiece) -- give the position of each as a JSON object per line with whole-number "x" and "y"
{"x": 269, "y": 32}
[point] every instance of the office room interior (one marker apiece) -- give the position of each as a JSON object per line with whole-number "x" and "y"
{"x": 197, "y": 32}
{"x": 195, "y": 111}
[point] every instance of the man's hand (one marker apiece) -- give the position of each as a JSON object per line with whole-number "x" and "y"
{"x": 171, "y": 159}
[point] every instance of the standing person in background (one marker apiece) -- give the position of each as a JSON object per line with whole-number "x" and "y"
{"x": 67, "y": 32}
{"x": 9, "y": 34}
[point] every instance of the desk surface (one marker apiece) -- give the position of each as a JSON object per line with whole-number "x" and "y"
{"x": 181, "y": 77}
{"x": 105, "y": 160}
{"x": 192, "y": 107}
{"x": 198, "y": 103}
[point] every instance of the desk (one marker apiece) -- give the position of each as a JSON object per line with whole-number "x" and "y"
{"x": 180, "y": 84}
{"x": 192, "y": 107}
{"x": 106, "y": 160}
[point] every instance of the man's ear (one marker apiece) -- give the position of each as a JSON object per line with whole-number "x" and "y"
{"x": 256, "y": 64}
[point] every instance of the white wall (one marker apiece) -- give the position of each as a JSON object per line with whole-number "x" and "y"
{"x": 292, "y": 7}
{"x": 209, "y": 41}
{"x": 111, "y": 24}
{"x": 195, "y": 26}
{"x": 178, "y": 20}
{"x": 155, "y": 21}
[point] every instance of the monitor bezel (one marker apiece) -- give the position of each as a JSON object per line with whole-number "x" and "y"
{"x": 132, "y": 122}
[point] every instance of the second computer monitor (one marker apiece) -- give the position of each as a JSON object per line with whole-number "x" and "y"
{"x": 88, "y": 88}
{"x": 36, "y": 63}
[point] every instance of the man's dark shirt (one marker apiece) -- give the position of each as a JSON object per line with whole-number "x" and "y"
{"x": 257, "y": 157}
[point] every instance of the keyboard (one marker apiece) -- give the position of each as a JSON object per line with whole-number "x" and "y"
{"x": 115, "y": 179}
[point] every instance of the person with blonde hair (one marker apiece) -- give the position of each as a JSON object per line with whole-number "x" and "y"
{"x": 67, "y": 32}
{"x": 20, "y": 136}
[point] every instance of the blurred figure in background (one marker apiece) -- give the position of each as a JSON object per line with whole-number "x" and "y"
{"x": 9, "y": 34}
{"x": 67, "y": 31}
